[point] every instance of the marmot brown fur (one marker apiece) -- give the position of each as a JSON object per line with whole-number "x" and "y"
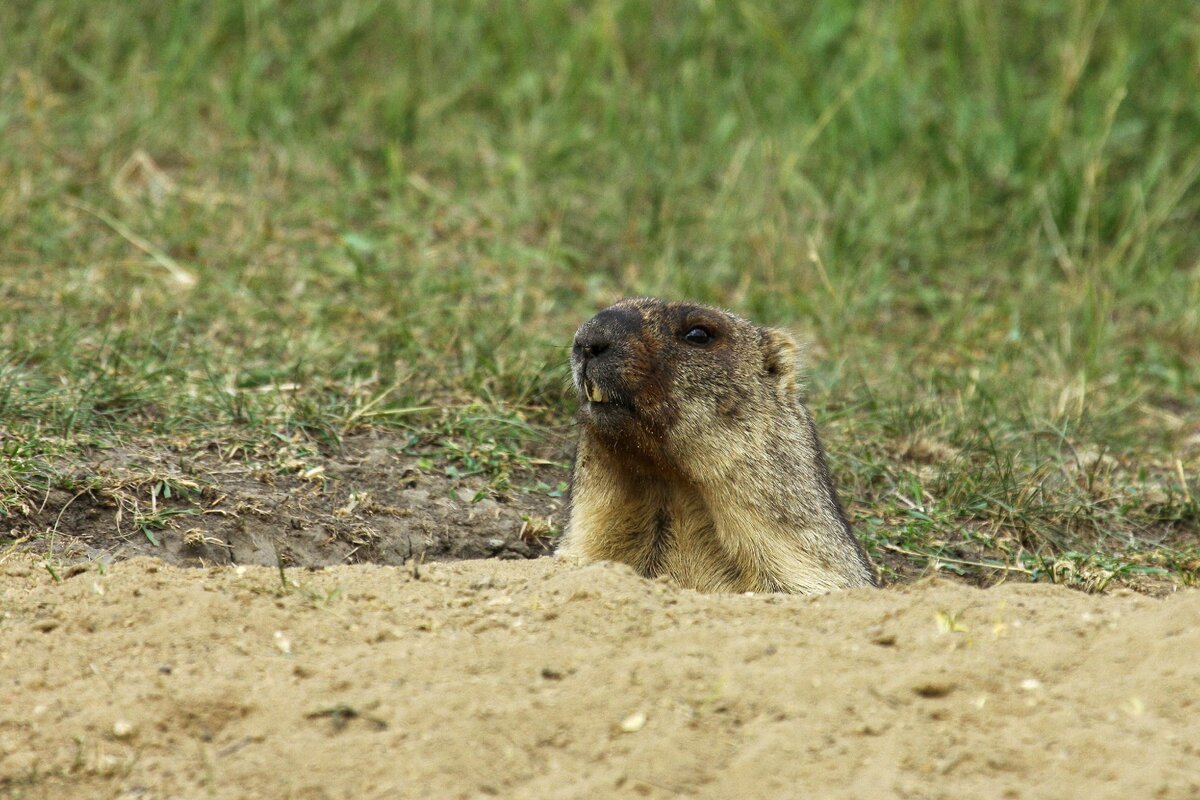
{"x": 697, "y": 458}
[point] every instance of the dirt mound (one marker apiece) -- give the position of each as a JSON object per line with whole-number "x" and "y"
{"x": 534, "y": 679}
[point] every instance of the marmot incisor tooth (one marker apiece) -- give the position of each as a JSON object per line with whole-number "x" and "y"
{"x": 697, "y": 458}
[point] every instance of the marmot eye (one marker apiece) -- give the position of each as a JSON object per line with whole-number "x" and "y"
{"x": 698, "y": 335}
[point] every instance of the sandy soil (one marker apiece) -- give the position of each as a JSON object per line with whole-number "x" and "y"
{"x": 535, "y": 679}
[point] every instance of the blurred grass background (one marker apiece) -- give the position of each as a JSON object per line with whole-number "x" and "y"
{"x": 246, "y": 219}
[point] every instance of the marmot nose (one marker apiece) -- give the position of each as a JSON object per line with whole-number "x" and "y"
{"x": 609, "y": 329}
{"x": 592, "y": 345}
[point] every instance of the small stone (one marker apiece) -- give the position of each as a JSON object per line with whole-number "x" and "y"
{"x": 882, "y": 637}
{"x": 933, "y": 689}
{"x": 384, "y": 635}
{"x": 1031, "y": 684}
{"x": 634, "y": 722}
{"x": 123, "y": 729}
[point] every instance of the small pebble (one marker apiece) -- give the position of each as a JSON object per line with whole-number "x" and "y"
{"x": 634, "y": 722}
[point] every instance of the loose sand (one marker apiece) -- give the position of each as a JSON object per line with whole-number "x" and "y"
{"x": 533, "y": 679}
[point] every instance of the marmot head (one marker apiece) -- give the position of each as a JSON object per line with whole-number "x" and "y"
{"x": 682, "y": 385}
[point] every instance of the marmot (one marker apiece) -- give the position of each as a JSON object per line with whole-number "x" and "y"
{"x": 697, "y": 458}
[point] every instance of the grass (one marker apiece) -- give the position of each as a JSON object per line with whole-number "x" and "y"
{"x": 244, "y": 221}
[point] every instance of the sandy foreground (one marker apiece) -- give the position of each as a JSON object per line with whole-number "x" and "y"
{"x": 535, "y": 679}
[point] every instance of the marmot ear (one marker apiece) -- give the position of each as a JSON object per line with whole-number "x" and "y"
{"x": 781, "y": 355}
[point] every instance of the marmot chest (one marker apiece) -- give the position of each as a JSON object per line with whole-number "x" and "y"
{"x": 689, "y": 551}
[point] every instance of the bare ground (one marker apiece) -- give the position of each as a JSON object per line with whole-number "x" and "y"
{"x": 538, "y": 679}
{"x": 373, "y": 498}
{"x": 133, "y": 677}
